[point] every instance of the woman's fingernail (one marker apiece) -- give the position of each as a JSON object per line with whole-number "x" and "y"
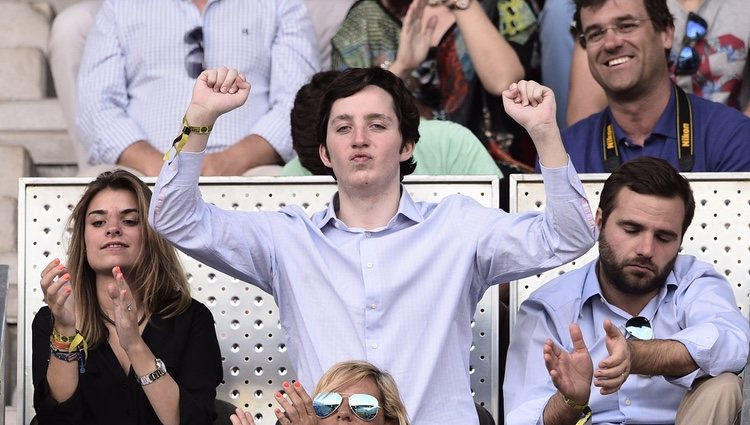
{"x": 297, "y": 385}
{"x": 285, "y": 384}
{"x": 277, "y": 395}
{"x": 66, "y": 276}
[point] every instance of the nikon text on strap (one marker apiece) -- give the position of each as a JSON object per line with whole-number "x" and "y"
{"x": 685, "y": 142}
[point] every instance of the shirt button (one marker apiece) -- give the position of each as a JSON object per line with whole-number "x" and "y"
{"x": 373, "y": 306}
{"x": 374, "y": 346}
{"x": 369, "y": 265}
{"x": 627, "y": 402}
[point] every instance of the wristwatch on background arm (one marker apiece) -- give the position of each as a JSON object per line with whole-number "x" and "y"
{"x": 160, "y": 371}
{"x": 460, "y": 4}
{"x": 452, "y": 4}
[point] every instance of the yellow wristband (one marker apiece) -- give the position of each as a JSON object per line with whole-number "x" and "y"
{"x": 205, "y": 129}
{"x": 181, "y": 139}
{"x": 586, "y": 419}
{"x": 572, "y": 403}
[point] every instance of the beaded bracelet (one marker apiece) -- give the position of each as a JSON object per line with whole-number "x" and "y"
{"x": 68, "y": 356}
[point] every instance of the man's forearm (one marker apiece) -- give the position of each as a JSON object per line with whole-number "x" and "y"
{"x": 663, "y": 357}
{"x": 549, "y": 146}
{"x": 143, "y": 157}
{"x": 256, "y": 151}
{"x": 496, "y": 62}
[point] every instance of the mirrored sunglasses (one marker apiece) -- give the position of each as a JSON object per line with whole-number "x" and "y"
{"x": 688, "y": 60}
{"x": 194, "y": 61}
{"x": 364, "y": 406}
{"x": 638, "y": 327}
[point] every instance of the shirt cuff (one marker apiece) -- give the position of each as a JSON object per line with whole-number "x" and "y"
{"x": 562, "y": 182}
{"x": 183, "y": 170}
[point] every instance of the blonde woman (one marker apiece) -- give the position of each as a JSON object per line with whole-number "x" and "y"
{"x": 107, "y": 350}
{"x": 356, "y": 392}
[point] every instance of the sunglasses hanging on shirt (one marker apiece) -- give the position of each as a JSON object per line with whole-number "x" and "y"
{"x": 638, "y": 327}
{"x": 364, "y": 406}
{"x": 195, "y": 61}
{"x": 688, "y": 60}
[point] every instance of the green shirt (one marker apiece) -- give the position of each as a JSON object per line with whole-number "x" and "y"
{"x": 444, "y": 148}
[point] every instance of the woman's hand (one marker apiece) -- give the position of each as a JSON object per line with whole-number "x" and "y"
{"x": 414, "y": 41}
{"x": 216, "y": 92}
{"x": 241, "y": 417}
{"x": 125, "y": 311}
{"x": 58, "y": 294}
{"x": 298, "y": 407}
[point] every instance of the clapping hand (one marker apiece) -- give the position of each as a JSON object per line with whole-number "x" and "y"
{"x": 571, "y": 372}
{"x": 297, "y": 408}
{"x": 57, "y": 289}
{"x": 125, "y": 310}
{"x": 614, "y": 370}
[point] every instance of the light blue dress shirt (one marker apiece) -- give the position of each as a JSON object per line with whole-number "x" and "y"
{"x": 401, "y": 296}
{"x": 696, "y": 307}
{"x": 133, "y": 84}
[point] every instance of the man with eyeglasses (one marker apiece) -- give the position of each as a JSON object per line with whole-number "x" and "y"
{"x": 627, "y": 44}
{"x": 140, "y": 63}
{"x": 640, "y": 335}
{"x": 714, "y": 37}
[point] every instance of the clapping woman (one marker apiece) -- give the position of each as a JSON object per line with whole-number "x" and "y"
{"x": 121, "y": 341}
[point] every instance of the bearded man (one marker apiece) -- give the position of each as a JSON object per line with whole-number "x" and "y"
{"x": 640, "y": 335}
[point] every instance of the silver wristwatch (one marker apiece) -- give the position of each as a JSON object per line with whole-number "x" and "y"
{"x": 160, "y": 371}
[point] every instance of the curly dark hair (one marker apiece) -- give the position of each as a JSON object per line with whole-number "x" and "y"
{"x": 351, "y": 82}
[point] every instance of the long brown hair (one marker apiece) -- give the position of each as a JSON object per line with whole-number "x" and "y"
{"x": 157, "y": 277}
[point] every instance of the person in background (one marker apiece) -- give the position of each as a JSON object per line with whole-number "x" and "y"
{"x": 673, "y": 317}
{"x": 708, "y": 57}
{"x": 444, "y": 148}
{"x": 374, "y": 257}
{"x": 556, "y": 51}
{"x": 107, "y": 350}
{"x": 456, "y": 57}
{"x": 141, "y": 60}
{"x": 351, "y": 391}
{"x": 648, "y": 115}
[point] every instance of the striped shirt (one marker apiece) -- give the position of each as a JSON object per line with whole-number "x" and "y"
{"x": 133, "y": 84}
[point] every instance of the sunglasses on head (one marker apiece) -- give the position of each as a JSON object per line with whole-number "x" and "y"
{"x": 194, "y": 61}
{"x": 638, "y": 327}
{"x": 364, "y": 406}
{"x": 688, "y": 60}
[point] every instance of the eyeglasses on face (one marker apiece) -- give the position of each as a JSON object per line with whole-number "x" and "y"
{"x": 595, "y": 34}
{"x": 195, "y": 61}
{"x": 688, "y": 60}
{"x": 638, "y": 327}
{"x": 364, "y": 406}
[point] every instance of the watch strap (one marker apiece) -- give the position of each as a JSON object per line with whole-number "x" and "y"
{"x": 160, "y": 371}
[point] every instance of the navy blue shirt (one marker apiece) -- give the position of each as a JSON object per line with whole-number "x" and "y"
{"x": 721, "y": 139}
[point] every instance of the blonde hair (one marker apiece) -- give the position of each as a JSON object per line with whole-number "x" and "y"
{"x": 346, "y": 373}
{"x": 157, "y": 277}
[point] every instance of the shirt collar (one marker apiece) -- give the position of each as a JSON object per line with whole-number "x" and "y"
{"x": 407, "y": 209}
{"x": 666, "y": 126}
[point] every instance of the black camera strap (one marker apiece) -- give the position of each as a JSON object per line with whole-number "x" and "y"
{"x": 685, "y": 142}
